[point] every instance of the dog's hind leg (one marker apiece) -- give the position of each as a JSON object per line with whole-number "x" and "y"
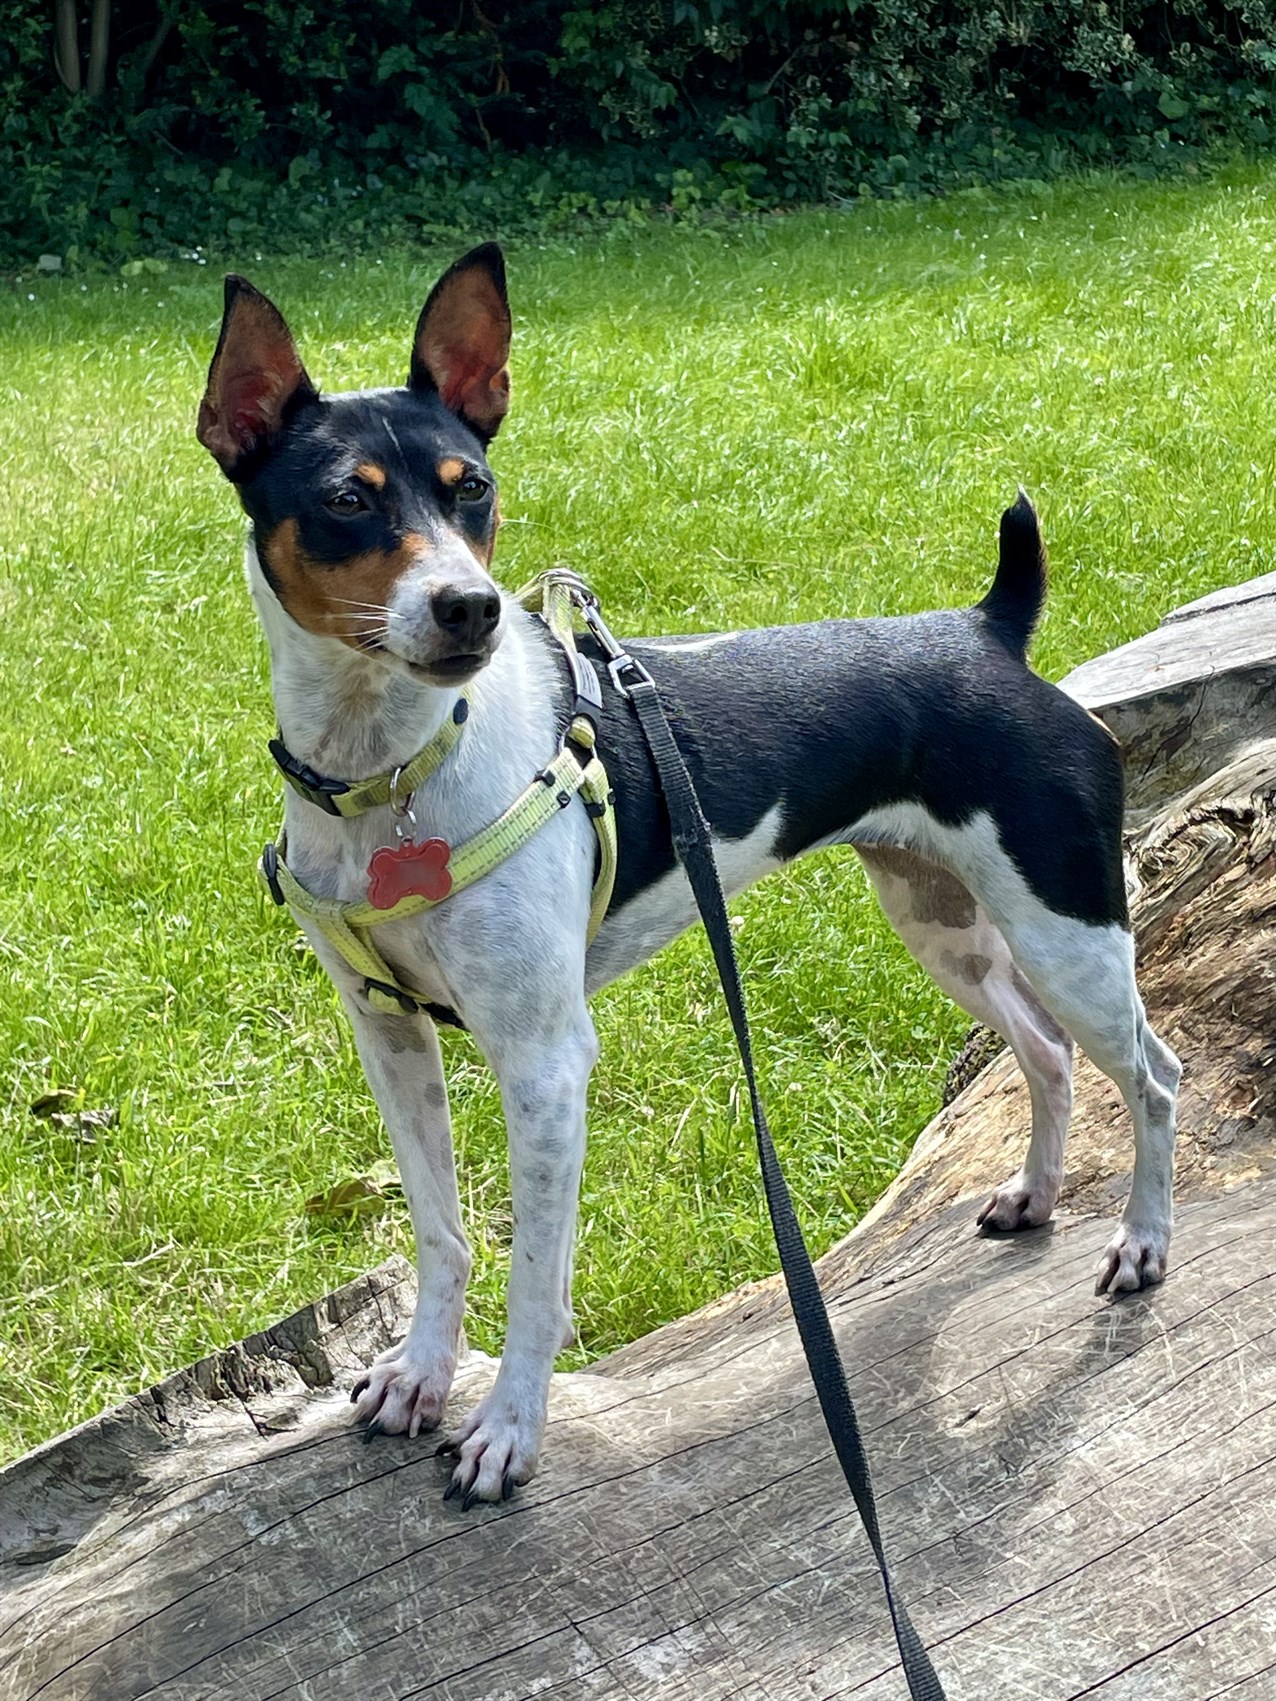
{"x": 407, "y": 1387}
{"x": 1062, "y": 977}
{"x": 1084, "y": 975}
{"x": 954, "y": 939}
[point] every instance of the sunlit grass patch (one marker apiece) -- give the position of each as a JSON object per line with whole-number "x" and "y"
{"x": 823, "y": 414}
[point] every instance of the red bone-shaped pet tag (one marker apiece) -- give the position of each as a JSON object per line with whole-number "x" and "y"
{"x": 409, "y": 870}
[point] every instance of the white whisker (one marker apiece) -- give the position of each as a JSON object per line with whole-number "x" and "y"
{"x": 357, "y": 622}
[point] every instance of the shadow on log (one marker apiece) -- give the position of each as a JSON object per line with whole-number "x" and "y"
{"x": 1077, "y": 1496}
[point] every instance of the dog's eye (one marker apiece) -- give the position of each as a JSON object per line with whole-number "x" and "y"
{"x": 472, "y": 488}
{"x": 346, "y": 502}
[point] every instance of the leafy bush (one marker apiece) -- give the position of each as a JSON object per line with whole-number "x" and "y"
{"x": 307, "y": 125}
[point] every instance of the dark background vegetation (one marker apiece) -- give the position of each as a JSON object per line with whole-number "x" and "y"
{"x": 149, "y": 128}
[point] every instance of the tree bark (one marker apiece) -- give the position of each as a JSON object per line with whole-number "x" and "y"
{"x": 99, "y": 47}
{"x": 66, "y": 51}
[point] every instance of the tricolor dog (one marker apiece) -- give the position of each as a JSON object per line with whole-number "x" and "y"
{"x": 985, "y": 804}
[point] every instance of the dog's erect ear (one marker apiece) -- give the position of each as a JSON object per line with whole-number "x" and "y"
{"x": 463, "y": 341}
{"x": 255, "y": 379}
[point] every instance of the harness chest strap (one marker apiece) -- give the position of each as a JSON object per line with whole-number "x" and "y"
{"x": 576, "y": 769}
{"x": 347, "y": 925}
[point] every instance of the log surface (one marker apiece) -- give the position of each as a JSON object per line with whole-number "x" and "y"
{"x": 1076, "y": 1495}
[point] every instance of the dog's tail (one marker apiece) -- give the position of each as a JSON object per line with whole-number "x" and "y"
{"x": 1014, "y": 603}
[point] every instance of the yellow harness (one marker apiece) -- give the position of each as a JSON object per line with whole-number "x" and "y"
{"x": 576, "y": 769}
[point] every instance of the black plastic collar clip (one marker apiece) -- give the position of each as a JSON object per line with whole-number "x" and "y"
{"x": 315, "y": 788}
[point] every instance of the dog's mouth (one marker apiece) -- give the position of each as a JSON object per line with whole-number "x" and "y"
{"x": 438, "y": 662}
{"x": 450, "y": 670}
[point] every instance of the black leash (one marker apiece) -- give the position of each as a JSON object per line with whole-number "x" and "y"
{"x": 695, "y": 851}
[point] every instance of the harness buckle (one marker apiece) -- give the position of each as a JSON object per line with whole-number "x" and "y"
{"x": 270, "y": 871}
{"x": 589, "y": 693}
{"x": 383, "y": 998}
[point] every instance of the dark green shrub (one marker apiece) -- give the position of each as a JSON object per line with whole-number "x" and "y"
{"x": 306, "y": 126}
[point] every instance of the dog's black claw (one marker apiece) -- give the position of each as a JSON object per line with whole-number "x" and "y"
{"x": 452, "y": 1490}
{"x": 446, "y": 1449}
{"x": 471, "y": 1499}
{"x": 375, "y": 1428}
{"x": 507, "y": 1486}
{"x": 363, "y": 1383}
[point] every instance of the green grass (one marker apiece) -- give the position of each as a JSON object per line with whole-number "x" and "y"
{"x": 823, "y": 414}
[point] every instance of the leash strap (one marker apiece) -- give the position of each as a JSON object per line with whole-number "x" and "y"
{"x": 695, "y": 851}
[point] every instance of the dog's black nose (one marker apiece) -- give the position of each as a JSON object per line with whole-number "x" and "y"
{"x": 467, "y": 617}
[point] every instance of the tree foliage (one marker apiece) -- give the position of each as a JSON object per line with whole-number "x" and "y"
{"x": 310, "y": 125}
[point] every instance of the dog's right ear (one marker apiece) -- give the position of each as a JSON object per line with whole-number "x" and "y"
{"x": 255, "y": 379}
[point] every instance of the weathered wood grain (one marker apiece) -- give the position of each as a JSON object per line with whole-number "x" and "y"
{"x": 1068, "y": 1487}
{"x": 1079, "y": 1497}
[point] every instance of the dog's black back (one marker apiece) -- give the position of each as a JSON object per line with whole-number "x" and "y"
{"x": 835, "y": 719}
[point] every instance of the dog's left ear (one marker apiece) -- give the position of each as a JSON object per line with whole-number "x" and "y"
{"x": 462, "y": 341}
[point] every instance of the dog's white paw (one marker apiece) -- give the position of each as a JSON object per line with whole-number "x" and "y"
{"x": 404, "y": 1391}
{"x": 1018, "y": 1204}
{"x": 496, "y": 1448}
{"x": 1135, "y": 1259}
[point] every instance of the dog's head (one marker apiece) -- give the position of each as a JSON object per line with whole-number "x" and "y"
{"x": 374, "y": 513}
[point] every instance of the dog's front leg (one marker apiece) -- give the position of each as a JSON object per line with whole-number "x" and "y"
{"x": 543, "y": 1080}
{"x": 408, "y": 1385}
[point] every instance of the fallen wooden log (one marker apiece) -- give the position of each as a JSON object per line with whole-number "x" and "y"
{"x": 1077, "y": 1496}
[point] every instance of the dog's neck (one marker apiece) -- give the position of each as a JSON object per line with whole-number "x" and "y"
{"x": 342, "y": 713}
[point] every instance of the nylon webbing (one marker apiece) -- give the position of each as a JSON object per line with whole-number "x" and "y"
{"x": 695, "y": 851}
{"x": 351, "y": 798}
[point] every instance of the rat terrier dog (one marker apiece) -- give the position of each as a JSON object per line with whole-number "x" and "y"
{"x": 986, "y": 806}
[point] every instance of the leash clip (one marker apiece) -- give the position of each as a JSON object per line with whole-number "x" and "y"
{"x": 626, "y": 664}
{"x": 620, "y": 661}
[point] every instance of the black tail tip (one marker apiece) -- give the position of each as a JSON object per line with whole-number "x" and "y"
{"x": 1020, "y": 520}
{"x": 1015, "y": 599}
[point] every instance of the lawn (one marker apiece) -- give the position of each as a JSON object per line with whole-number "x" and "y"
{"x": 821, "y": 414}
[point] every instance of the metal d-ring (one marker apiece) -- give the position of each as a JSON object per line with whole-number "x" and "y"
{"x": 401, "y": 809}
